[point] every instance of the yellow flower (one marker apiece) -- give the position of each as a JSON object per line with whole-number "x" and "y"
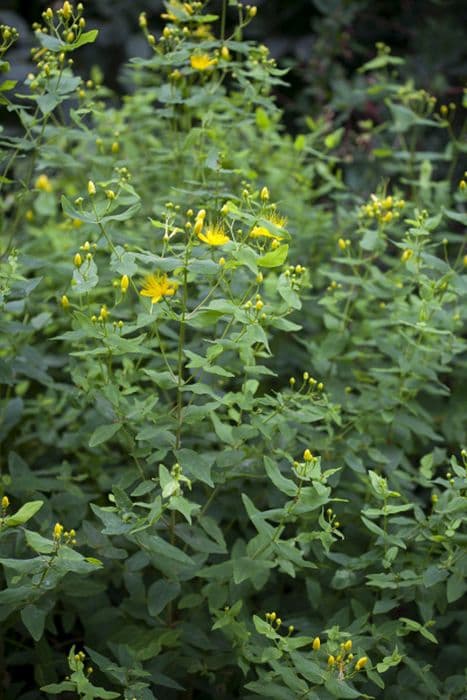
{"x": 316, "y": 644}
{"x": 214, "y": 235}
{"x": 276, "y": 220}
{"x": 203, "y": 31}
{"x": 331, "y": 660}
{"x": 5, "y": 502}
{"x": 202, "y": 61}
{"x": 43, "y": 183}
{"x": 157, "y": 286}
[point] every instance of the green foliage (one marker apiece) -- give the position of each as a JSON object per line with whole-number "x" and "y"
{"x": 252, "y": 425}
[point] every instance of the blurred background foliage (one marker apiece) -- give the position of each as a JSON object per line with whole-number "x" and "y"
{"x": 323, "y": 42}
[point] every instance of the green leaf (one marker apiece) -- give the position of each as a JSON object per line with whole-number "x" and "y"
{"x": 417, "y": 627}
{"x": 25, "y": 513}
{"x": 223, "y": 430}
{"x": 160, "y": 594}
{"x": 333, "y": 139}
{"x": 34, "y": 620}
{"x": 196, "y": 465}
{"x": 184, "y": 506}
{"x": 85, "y": 38}
{"x": 284, "y": 485}
{"x": 246, "y": 568}
{"x": 39, "y": 544}
{"x": 103, "y": 433}
{"x": 56, "y": 688}
{"x": 274, "y": 258}
{"x": 456, "y": 587}
{"x": 264, "y": 628}
{"x": 340, "y": 689}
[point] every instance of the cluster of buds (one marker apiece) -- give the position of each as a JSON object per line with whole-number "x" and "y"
{"x": 295, "y": 273}
{"x": 182, "y": 19}
{"x": 274, "y": 620}
{"x": 8, "y": 35}
{"x": 333, "y": 286}
{"x": 256, "y": 306}
{"x": 343, "y": 243}
{"x": 67, "y": 22}
{"x": 80, "y": 656}
{"x": 309, "y": 384}
{"x": 309, "y": 467}
{"x": 332, "y": 519}
{"x": 382, "y": 209}
{"x": 447, "y": 111}
{"x": 276, "y": 623}
{"x": 104, "y": 314}
{"x": 343, "y": 661}
{"x": 61, "y": 535}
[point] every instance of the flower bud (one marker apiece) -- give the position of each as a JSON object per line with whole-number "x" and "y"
{"x": 316, "y": 644}
{"x": 91, "y": 188}
{"x": 58, "y": 531}
{"x": 124, "y": 282}
{"x": 363, "y": 660}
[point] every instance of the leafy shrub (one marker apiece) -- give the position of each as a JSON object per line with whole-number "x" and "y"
{"x": 233, "y": 429}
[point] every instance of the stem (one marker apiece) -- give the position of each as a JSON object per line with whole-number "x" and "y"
{"x": 181, "y": 342}
{"x": 223, "y": 18}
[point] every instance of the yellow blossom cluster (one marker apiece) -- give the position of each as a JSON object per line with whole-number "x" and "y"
{"x": 343, "y": 660}
{"x": 383, "y": 209}
{"x": 59, "y": 534}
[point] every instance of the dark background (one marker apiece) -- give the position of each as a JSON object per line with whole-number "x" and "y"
{"x": 322, "y": 41}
